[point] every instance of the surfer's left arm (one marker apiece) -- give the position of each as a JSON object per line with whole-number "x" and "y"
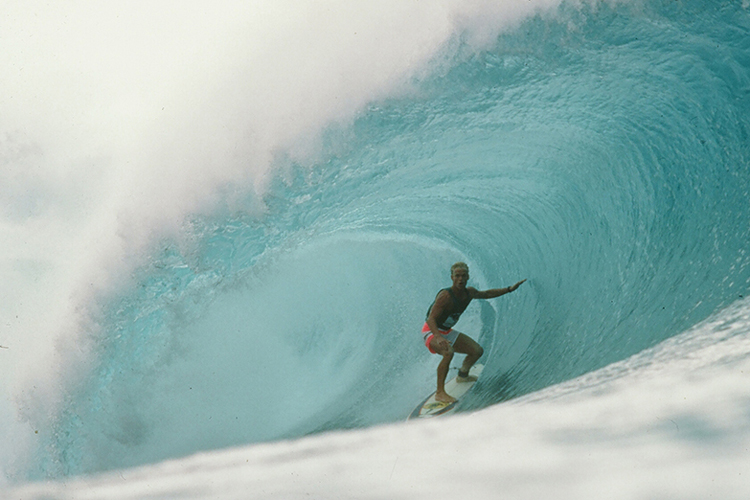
{"x": 493, "y": 292}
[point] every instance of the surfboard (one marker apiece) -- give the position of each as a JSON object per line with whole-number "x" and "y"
{"x": 431, "y": 408}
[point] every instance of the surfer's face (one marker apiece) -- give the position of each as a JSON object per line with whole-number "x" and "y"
{"x": 460, "y": 277}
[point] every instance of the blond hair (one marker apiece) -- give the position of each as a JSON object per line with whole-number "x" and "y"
{"x": 459, "y": 265}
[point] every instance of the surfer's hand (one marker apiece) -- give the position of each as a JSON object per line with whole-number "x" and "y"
{"x": 515, "y": 287}
{"x": 442, "y": 345}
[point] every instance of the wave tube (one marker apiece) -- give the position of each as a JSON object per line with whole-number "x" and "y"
{"x": 601, "y": 153}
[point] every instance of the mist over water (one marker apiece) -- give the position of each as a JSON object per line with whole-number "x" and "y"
{"x": 240, "y": 245}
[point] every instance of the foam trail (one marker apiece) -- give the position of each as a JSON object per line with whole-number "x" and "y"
{"x": 119, "y": 121}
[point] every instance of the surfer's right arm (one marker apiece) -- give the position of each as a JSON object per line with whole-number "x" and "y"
{"x": 441, "y": 302}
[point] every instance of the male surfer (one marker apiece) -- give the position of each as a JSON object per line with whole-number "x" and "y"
{"x": 439, "y": 335}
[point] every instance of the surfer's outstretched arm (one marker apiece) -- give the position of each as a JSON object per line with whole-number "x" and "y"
{"x": 493, "y": 292}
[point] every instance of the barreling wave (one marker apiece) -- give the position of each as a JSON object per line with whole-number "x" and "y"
{"x": 602, "y": 153}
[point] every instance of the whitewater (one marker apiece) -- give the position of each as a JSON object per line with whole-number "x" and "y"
{"x": 220, "y": 230}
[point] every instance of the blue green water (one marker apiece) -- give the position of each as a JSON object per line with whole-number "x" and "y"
{"x": 601, "y": 153}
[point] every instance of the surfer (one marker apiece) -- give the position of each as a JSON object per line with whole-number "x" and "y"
{"x": 439, "y": 335}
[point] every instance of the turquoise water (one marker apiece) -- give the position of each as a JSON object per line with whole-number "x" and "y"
{"x": 601, "y": 153}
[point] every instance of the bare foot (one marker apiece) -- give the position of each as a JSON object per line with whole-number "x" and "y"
{"x": 470, "y": 378}
{"x": 444, "y": 397}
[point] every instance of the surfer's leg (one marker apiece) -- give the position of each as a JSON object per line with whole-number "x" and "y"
{"x": 442, "y": 372}
{"x": 466, "y": 345}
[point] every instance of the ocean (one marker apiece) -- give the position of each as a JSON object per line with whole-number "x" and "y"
{"x": 221, "y": 228}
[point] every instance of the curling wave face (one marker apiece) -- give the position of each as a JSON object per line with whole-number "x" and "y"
{"x": 603, "y": 154}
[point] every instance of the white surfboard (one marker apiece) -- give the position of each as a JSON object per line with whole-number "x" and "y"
{"x": 432, "y": 408}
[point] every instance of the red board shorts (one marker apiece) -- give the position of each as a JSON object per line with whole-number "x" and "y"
{"x": 451, "y": 335}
